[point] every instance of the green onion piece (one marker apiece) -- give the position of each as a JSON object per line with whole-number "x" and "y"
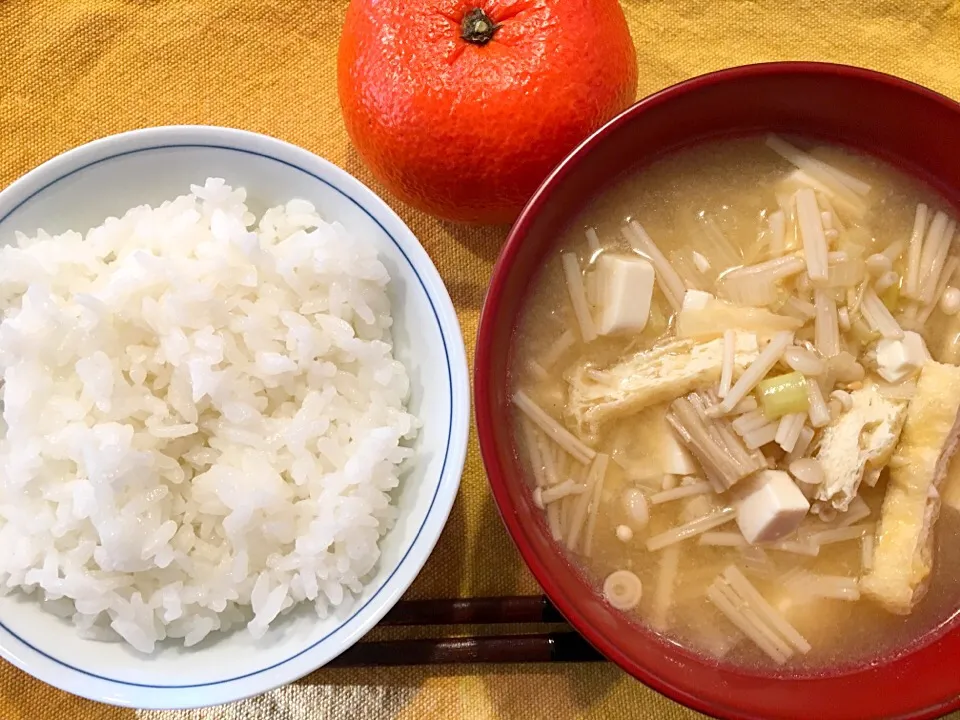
{"x": 783, "y": 395}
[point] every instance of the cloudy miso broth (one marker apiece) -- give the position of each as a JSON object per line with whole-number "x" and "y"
{"x": 735, "y": 393}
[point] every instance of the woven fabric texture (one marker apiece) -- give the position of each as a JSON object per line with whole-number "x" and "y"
{"x": 75, "y": 70}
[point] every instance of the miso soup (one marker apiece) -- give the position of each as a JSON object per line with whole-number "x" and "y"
{"x": 736, "y": 390}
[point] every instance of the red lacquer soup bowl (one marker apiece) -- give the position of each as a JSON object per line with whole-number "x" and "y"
{"x": 909, "y": 126}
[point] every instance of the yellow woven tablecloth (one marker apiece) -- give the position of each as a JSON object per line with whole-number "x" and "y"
{"x": 72, "y": 71}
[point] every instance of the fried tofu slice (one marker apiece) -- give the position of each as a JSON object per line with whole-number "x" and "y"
{"x": 903, "y": 557}
{"x": 863, "y": 436}
{"x": 650, "y": 377}
{"x": 951, "y": 492}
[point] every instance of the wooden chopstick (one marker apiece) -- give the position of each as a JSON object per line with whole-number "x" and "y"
{"x": 561, "y": 646}
{"x": 550, "y": 647}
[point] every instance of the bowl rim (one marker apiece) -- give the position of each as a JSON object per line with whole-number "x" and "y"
{"x": 86, "y": 683}
{"x": 485, "y": 383}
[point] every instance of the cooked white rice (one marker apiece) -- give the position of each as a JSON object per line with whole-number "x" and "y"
{"x": 203, "y": 418}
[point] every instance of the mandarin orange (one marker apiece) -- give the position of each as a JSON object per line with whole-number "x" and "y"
{"x": 462, "y": 107}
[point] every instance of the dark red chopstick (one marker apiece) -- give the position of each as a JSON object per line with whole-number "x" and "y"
{"x": 550, "y": 647}
{"x": 560, "y": 646}
{"x": 473, "y": 611}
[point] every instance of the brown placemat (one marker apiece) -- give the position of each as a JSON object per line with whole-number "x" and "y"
{"x": 72, "y": 71}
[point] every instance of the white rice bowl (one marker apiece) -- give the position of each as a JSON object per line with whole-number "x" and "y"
{"x": 203, "y": 418}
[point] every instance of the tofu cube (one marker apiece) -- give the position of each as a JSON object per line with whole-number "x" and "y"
{"x": 696, "y": 300}
{"x": 898, "y": 359}
{"x": 772, "y": 509}
{"x": 675, "y": 458}
{"x": 624, "y": 292}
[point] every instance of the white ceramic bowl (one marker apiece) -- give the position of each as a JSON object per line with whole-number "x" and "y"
{"x": 78, "y": 190}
